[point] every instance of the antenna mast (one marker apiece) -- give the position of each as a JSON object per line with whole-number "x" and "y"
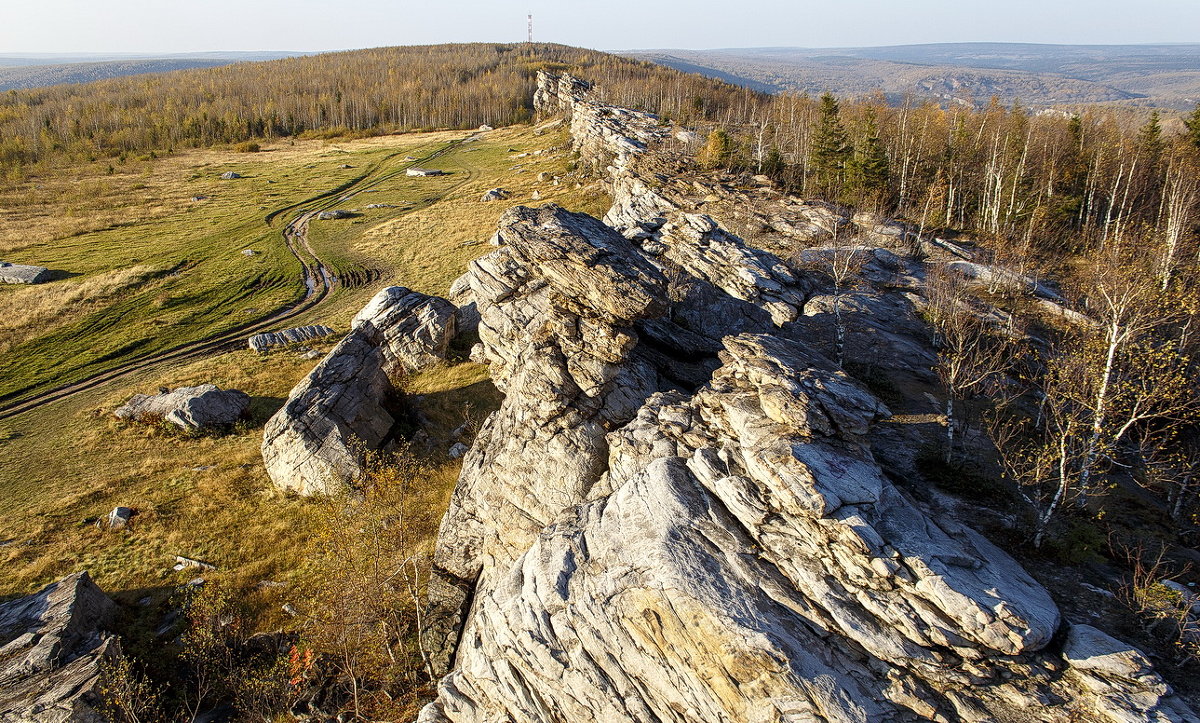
{"x": 530, "y": 28}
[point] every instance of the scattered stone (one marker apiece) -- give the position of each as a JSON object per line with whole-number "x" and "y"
{"x": 424, "y": 172}
{"x": 191, "y": 408}
{"x": 249, "y": 252}
{"x": 545, "y": 177}
{"x": 495, "y": 194}
{"x": 312, "y": 354}
{"x": 458, "y": 450}
{"x": 335, "y": 214}
{"x": 485, "y": 127}
{"x": 196, "y": 199}
{"x": 536, "y": 196}
{"x": 289, "y": 609}
{"x": 345, "y": 165}
{"x": 182, "y": 563}
{"x": 21, "y": 274}
{"x": 54, "y": 647}
{"x": 230, "y": 176}
{"x": 271, "y": 339}
{"x": 118, "y": 519}
{"x": 381, "y": 205}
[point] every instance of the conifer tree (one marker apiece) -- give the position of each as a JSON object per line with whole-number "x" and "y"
{"x": 1192, "y": 123}
{"x": 867, "y": 170}
{"x": 830, "y": 149}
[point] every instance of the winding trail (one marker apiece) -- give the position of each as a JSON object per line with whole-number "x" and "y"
{"x": 318, "y": 282}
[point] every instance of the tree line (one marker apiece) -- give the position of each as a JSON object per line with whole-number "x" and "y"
{"x": 372, "y": 91}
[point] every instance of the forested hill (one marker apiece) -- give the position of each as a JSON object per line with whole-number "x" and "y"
{"x": 362, "y": 91}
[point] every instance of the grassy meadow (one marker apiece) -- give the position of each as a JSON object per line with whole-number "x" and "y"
{"x": 146, "y": 268}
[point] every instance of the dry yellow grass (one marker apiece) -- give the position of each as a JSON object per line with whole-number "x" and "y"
{"x": 27, "y": 311}
{"x": 210, "y": 497}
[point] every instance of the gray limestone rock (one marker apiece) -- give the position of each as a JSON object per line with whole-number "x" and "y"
{"x": 118, "y": 519}
{"x": 348, "y": 404}
{"x": 191, "y": 408}
{"x": 268, "y": 340}
{"x": 671, "y": 519}
{"x": 21, "y": 274}
{"x": 52, "y": 646}
{"x": 416, "y": 328}
{"x": 230, "y": 175}
{"x": 315, "y": 444}
{"x": 495, "y": 194}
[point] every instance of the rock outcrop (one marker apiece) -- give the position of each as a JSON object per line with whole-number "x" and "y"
{"x": 349, "y": 404}
{"x": 191, "y": 408}
{"x": 52, "y": 646}
{"x": 271, "y": 339}
{"x": 676, "y": 513}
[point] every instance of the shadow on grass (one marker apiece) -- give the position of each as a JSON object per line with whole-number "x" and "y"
{"x": 60, "y": 275}
{"x": 263, "y": 408}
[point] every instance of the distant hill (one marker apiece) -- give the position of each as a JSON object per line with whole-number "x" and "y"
{"x": 38, "y": 71}
{"x": 1165, "y": 76}
{"x": 378, "y": 90}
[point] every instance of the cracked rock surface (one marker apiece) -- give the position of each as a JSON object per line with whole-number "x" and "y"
{"x": 191, "y": 408}
{"x": 676, "y": 513}
{"x": 52, "y": 645}
{"x": 348, "y": 404}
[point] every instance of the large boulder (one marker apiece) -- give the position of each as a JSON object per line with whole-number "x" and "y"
{"x": 349, "y": 404}
{"x": 346, "y": 406}
{"x": 191, "y": 408}
{"x": 52, "y": 647}
{"x": 416, "y": 328}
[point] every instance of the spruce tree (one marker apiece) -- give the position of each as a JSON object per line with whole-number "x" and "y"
{"x": 1150, "y": 141}
{"x": 1192, "y": 123}
{"x": 867, "y": 171}
{"x": 830, "y": 149}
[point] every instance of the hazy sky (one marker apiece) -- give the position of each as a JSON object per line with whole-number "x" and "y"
{"x": 194, "y": 25}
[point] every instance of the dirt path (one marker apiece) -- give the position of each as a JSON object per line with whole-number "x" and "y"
{"x": 319, "y": 284}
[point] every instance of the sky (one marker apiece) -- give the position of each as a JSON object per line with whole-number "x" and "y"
{"x": 175, "y": 26}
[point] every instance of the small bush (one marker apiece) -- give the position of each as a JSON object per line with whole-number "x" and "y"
{"x": 247, "y": 147}
{"x": 1081, "y": 542}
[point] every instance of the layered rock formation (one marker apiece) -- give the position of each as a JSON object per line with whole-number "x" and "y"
{"x": 269, "y": 340}
{"x": 51, "y": 650}
{"x": 676, "y": 513}
{"x": 349, "y": 404}
{"x": 191, "y": 408}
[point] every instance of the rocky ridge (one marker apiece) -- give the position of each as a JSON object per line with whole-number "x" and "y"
{"x": 678, "y": 514}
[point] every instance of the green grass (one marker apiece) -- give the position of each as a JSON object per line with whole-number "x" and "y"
{"x": 209, "y": 497}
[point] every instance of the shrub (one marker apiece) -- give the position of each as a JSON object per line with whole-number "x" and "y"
{"x": 247, "y": 147}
